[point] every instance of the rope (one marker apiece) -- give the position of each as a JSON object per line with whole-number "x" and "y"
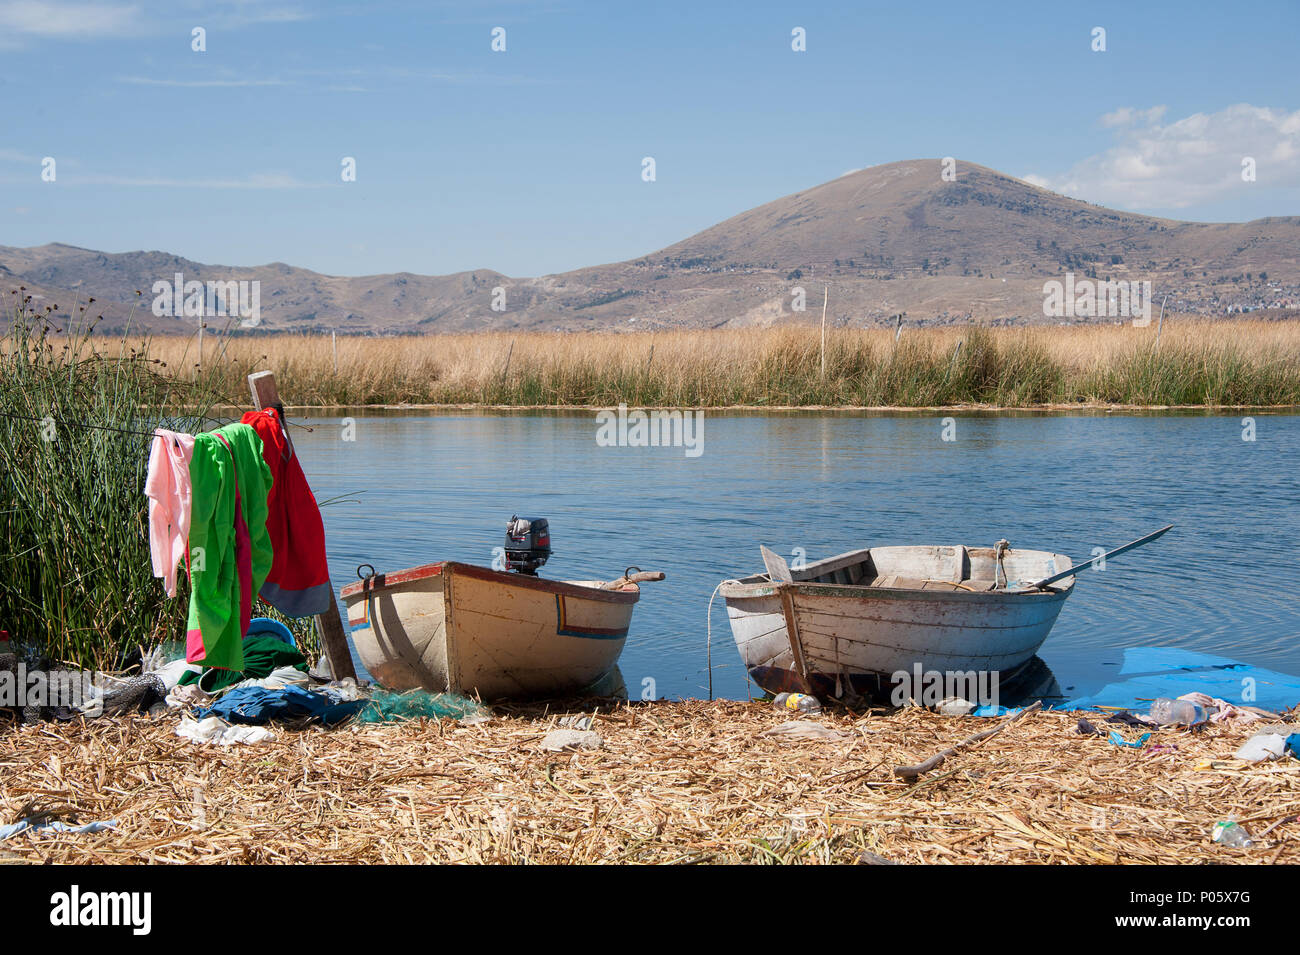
{"x": 104, "y": 427}
{"x": 77, "y": 424}
{"x": 708, "y": 639}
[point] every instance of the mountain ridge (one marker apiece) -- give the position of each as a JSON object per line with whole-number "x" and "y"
{"x": 890, "y": 240}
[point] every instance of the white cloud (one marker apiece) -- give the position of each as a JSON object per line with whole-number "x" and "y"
{"x": 154, "y": 81}
{"x": 50, "y": 18}
{"x": 261, "y": 180}
{"x": 1128, "y": 116}
{"x": 1195, "y": 160}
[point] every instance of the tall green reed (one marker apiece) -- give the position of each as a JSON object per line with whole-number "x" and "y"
{"x": 76, "y": 412}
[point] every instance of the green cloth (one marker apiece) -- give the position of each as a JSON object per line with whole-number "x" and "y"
{"x": 216, "y": 620}
{"x": 263, "y": 653}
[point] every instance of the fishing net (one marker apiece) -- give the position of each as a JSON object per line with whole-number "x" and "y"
{"x": 389, "y": 707}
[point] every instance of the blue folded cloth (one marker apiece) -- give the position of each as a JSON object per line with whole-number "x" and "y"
{"x": 256, "y": 706}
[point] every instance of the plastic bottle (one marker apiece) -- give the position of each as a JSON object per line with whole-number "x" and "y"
{"x": 802, "y": 703}
{"x": 1232, "y": 834}
{"x": 1166, "y": 712}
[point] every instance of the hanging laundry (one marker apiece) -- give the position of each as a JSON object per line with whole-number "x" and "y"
{"x": 230, "y": 552}
{"x": 298, "y": 584}
{"x": 168, "y": 488}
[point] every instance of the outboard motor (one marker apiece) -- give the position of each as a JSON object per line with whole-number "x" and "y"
{"x": 528, "y": 544}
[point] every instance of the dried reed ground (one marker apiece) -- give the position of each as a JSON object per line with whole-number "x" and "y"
{"x": 676, "y": 782}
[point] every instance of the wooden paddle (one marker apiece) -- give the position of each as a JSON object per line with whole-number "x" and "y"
{"x": 1038, "y": 585}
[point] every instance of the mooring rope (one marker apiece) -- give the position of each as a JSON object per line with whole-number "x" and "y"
{"x": 708, "y": 638}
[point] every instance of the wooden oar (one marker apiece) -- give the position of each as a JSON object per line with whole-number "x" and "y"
{"x": 1037, "y": 585}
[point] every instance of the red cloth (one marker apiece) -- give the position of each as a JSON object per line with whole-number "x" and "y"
{"x": 299, "y": 582}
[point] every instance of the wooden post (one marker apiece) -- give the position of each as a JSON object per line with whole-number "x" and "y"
{"x": 265, "y": 395}
{"x": 335, "y": 343}
{"x": 826, "y": 293}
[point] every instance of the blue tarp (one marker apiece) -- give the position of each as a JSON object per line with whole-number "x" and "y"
{"x": 1169, "y": 671}
{"x": 257, "y": 706}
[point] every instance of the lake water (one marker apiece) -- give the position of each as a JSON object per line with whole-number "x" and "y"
{"x": 441, "y": 486}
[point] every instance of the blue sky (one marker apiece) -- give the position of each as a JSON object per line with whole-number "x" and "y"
{"x": 529, "y": 161}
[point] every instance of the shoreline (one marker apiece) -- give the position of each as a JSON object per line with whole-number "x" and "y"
{"x": 789, "y": 409}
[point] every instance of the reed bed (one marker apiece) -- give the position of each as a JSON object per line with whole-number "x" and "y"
{"x": 674, "y": 783}
{"x": 1195, "y": 363}
{"x": 76, "y": 415}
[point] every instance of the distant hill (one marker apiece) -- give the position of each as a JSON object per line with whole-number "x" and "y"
{"x": 888, "y": 240}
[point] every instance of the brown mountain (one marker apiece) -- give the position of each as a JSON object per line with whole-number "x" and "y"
{"x": 891, "y": 239}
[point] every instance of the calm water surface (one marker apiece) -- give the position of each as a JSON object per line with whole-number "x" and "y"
{"x": 442, "y": 486}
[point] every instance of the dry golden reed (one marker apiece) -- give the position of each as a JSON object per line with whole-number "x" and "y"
{"x": 1196, "y": 363}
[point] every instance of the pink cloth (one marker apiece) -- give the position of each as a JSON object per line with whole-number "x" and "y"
{"x": 1225, "y": 712}
{"x": 167, "y": 486}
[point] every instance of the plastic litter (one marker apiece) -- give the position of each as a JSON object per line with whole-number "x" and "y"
{"x": 799, "y": 702}
{"x": 1169, "y": 712}
{"x": 557, "y": 741}
{"x": 803, "y": 729}
{"x": 988, "y": 711}
{"x": 1262, "y": 747}
{"x": 214, "y": 730}
{"x": 955, "y": 706}
{"x": 55, "y": 825}
{"x": 1231, "y": 834}
{"x": 1118, "y": 740}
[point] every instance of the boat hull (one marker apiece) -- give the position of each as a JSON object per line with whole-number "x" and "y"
{"x": 833, "y": 636}
{"x": 466, "y": 629}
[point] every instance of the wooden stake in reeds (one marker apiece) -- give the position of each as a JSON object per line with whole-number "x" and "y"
{"x": 334, "y": 343}
{"x": 1161, "y": 324}
{"x": 826, "y": 293}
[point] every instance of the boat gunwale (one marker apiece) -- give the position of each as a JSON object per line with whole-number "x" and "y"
{"x": 738, "y": 590}
{"x": 628, "y": 594}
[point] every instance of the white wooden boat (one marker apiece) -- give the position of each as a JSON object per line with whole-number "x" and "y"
{"x": 486, "y": 633}
{"x": 850, "y": 623}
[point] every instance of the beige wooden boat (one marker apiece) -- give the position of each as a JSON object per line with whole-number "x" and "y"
{"x": 486, "y": 633}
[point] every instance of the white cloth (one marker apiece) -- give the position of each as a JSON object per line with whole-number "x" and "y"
{"x": 187, "y": 695}
{"x": 168, "y": 488}
{"x": 216, "y": 730}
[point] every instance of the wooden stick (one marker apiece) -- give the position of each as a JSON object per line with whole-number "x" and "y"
{"x": 826, "y": 294}
{"x": 910, "y": 773}
{"x": 261, "y": 385}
